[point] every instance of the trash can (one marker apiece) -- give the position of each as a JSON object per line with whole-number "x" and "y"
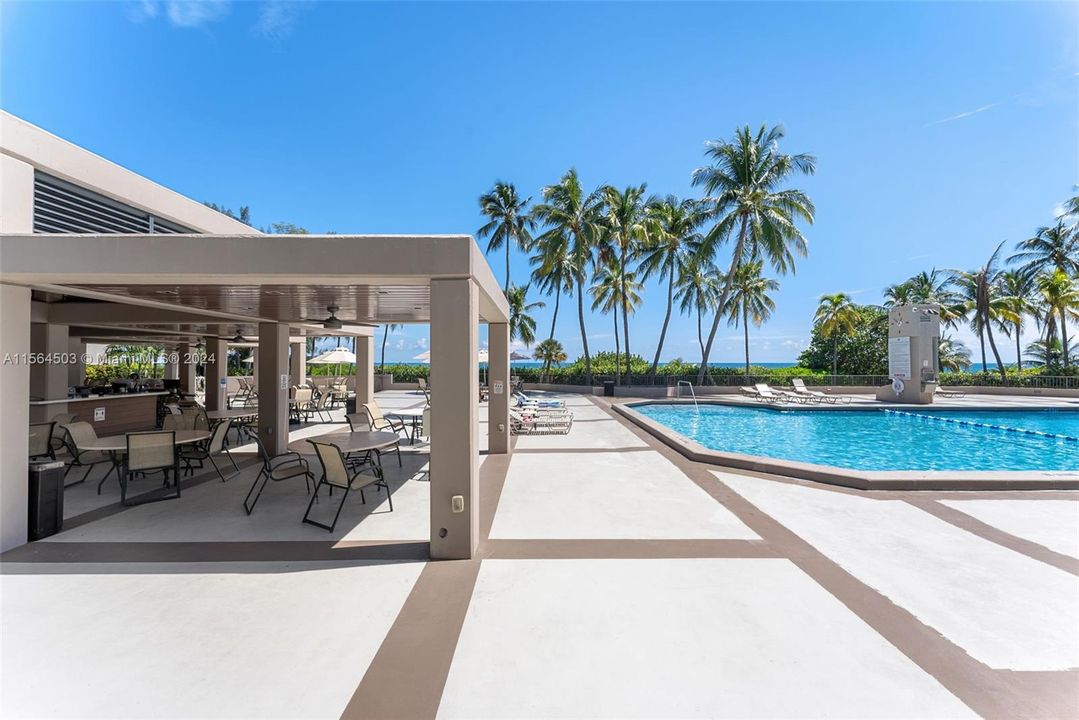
{"x": 350, "y": 405}
{"x": 608, "y": 388}
{"x": 46, "y": 498}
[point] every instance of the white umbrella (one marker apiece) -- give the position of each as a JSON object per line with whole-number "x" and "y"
{"x": 335, "y": 357}
{"x": 518, "y": 356}
{"x": 248, "y": 360}
{"x": 424, "y": 356}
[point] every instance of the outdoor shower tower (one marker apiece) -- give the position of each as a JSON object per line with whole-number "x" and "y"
{"x": 913, "y": 348}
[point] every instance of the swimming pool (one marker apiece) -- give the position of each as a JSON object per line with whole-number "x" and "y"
{"x": 883, "y": 439}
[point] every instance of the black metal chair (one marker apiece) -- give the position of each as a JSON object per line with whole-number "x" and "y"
{"x": 216, "y": 446}
{"x": 80, "y": 434}
{"x": 277, "y": 468}
{"x": 335, "y": 474}
{"x": 41, "y": 440}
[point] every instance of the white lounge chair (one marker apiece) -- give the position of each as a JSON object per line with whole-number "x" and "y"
{"x": 773, "y": 395}
{"x": 949, "y": 393}
{"x": 530, "y": 422}
{"x": 526, "y": 401}
{"x": 800, "y": 389}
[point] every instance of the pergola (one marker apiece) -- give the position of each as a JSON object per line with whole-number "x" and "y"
{"x": 186, "y": 288}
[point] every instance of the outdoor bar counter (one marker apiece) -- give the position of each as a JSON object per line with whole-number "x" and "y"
{"x": 120, "y": 413}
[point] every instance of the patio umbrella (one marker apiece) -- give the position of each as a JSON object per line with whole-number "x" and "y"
{"x": 424, "y": 356}
{"x": 514, "y": 356}
{"x": 335, "y": 357}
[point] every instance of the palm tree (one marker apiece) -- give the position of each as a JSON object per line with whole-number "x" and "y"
{"x": 673, "y": 240}
{"x": 698, "y": 291}
{"x": 1054, "y": 247}
{"x": 574, "y": 217}
{"x": 933, "y": 287}
{"x": 953, "y": 355}
{"x": 1061, "y": 298}
{"x": 522, "y": 325}
{"x": 980, "y": 292}
{"x": 627, "y": 231}
{"x": 550, "y": 352}
{"x": 386, "y": 333}
{"x": 1048, "y": 353}
{"x": 509, "y": 223}
{"x": 745, "y": 194}
{"x": 836, "y": 314}
{"x": 749, "y": 299}
{"x": 554, "y": 270}
{"x": 1016, "y": 290}
{"x": 607, "y": 294}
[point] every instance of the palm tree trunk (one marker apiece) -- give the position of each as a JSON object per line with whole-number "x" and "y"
{"x": 1018, "y": 351}
{"x": 736, "y": 260}
{"x": 506, "y": 290}
{"x": 700, "y": 338}
{"x": 981, "y": 338}
{"x": 625, "y": 314}
{"x": 617, "y": 352}
{"x": 1064, "y": 338}
{"x": 835, "y": 356}
{"x": 666, "y": 320}
{"x": 382, "y": 360}
{"x": 996, "y": 353}
{"x": 557, "y": 299}
{"x": 584, "y": 334}
{"x": 745, "y": 329}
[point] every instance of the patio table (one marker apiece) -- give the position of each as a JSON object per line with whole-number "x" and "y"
{"x": 233, "y": 414}
{"x": 349, "y": 442}
{"x": 414, "y": 416}
{"x": 116, "y": 446}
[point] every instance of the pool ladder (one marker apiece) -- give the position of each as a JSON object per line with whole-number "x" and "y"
{"x": 691, "y": 393}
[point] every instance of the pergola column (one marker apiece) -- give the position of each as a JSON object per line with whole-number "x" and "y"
{"x": 14, "y": 414}
{"x": 76, "y": 371}
{"x": 365, "y": 369}
{"x": 454, "y": 463}
{"x": 48, "y": 380}
{"x": 172, "y": 365}
{"x": 217, "y": 373}
{"x": 186, "y": 368}
{"x": 273, "y": 382}
{"x": 297, "y": 368}
{"x": 498, "y": 383}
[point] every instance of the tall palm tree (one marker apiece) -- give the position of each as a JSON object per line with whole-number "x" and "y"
{"x": 747, "y": 199}
{"x": 836, "y": 314}
{"x": 607, "y": 294}
{"x": 522, "y": 325}
{"x": 1016, "y": 290}
{"x": 627, "y": 231}
{"x": 749, "y": 301}
{"x": 553, "y": 270}
{"x": 983, "y": 300}
{"x": 549, "y": 352}
{"x": 1061, "y": 298}
{"x": 574, "y": 217}
{"x": 1053, "y": 247}
{"x": 953, "y": 355}
{"x": 386, "y": 333}
{"x": 673, "y": 240}
{"x": 933, "y": 287}
{"x": 509, "y": 223}
{"x": 698, "y": 291}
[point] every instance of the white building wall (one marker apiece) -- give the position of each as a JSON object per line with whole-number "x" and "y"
{"x": 14, "y": 414}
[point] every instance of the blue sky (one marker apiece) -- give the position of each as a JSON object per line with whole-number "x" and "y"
{"x": 940, "y": 129}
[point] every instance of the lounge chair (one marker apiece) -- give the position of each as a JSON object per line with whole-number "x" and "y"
{"x": 800, "y": 389}
{"x": 525, "y": 421}
{"x": 526, "y": 401}
{"x": 772, "y": 395}
{"x": 949, "y": 393}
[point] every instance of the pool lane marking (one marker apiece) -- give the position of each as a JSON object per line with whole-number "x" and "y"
{"x": 971, "y": 423}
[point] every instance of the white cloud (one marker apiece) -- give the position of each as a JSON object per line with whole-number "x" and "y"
{"x": 181, "y": 13}
{"x": 277, "y": 18}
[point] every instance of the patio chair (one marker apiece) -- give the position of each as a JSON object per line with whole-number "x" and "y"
{"x": 277, "y": 468}
{"x": 216, "y": 446}
{"x": 302, "y": 406}
{"x": 41, "y": 440}
{"x": 800, "y": 389}
{"x": 81, "y": 434}
{"x": 149, "y": 452}
{"x": 335, "y": 473}
{"x": 377, "y": 421}
{"x": 949, "y": 393}
{"x": 174, "y": 423}
{"x": 59, "y": 433}
{"x": 528, "y": 422}
{"x": 321, "y": 407}
{"x": 422, "y": 384}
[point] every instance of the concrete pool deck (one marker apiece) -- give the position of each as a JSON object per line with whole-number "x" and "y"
{"x": 616, "y": 578}
{"x": 862, "y": 479}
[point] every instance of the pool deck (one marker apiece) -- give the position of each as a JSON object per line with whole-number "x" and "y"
{"x": 863, "y": 479}
{"x": 615, "y": 578}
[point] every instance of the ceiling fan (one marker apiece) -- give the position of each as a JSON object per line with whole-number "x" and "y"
{"x": 239, "y": 338}
{"x": 330, "y": 323}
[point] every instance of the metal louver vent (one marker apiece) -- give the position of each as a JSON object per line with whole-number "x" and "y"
{"x": 62, "y": 207}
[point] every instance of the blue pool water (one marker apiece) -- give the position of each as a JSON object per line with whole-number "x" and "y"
{"x": 883, "y": 440}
